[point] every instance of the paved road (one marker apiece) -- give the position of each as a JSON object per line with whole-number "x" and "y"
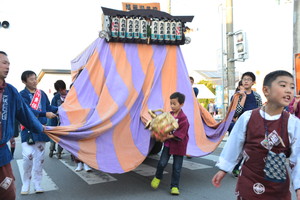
{"x": 62, "y": 182}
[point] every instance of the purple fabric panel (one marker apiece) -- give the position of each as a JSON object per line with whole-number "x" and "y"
{"x": 106, "y": 155}
{"x": 83, "y": 131}
{"x": 106, "y": 59}
{"x": 155, "y": 100}
{"x": 70, "y": 144}
{"x": 63, "y": 117}
{"x": 79, "y": 134}
{"x": 138, "y": 76}
{"x": 88, "y": 98}
{"x": 117, "y": 88}
{"x": 82, "y": 59}
{"x": 93, "y": 120}
{"x": 184, "y": 86}
{"x": 215, "y": 134}
{"x": 140, "y": 135}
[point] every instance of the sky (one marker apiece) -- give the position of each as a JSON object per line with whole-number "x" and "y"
{"x": 48, "y": 34}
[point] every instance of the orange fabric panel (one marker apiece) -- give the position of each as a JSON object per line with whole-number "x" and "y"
{"x": 201, "y": 139}
{"x": 88, "y": 147}
{"x": 76, "y": 114}
{"x": 96, "y": 71}
{"x": 169, "y": 76}
{"x": 125, "y": 141}
{"x": 145, "y": 55}
{"x": 297, "y": 72}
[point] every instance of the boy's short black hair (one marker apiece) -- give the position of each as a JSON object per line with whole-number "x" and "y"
{"x": 59, "y": 84}
{"x": 26, "y": 74}
{"x": 179, "y": 96}
{"x": 249, "y": 74}
{"x": 2, "y": 52}
{"x": 270, "y": 77}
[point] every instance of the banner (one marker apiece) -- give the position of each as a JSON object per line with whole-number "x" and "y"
{"x": 134, "y": 6}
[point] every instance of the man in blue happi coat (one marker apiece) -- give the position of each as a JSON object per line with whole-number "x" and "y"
{"x": 12, "y": 107}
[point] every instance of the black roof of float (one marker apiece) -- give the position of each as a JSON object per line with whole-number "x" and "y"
{"x": 149, "y": 13}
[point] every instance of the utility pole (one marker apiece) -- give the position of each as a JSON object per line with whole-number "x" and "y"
{"x": 296, "y": 27}
{"x": 230, "y": 50}
{"x": 169, "y": 7}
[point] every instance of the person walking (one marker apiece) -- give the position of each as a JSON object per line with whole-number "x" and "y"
{"x": 196, "y": 90}
{"x": 58, "y": 99}
{"x": 176, "y": 145}
{"x": 33, "y": 145}
{"x": 212, "y": 108}
{"x": 248, "y": 100}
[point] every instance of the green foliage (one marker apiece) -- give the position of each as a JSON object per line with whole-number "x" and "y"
{"x": 210, "y": 85}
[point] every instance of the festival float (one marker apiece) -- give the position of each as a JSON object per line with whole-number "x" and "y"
{"x": 130, "y": 70}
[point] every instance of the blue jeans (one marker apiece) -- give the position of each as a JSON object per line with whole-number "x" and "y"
{"x": 177, "y": 165}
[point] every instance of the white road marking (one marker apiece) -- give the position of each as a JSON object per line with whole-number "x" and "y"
{"x": 186, "y": 164}
{"x": 211, "y": 157}
{"x": 146, "y": 170}
{"x": 47, "y": 183}
{"x": 222, "y": 144}
{"x": 93, "y": 177}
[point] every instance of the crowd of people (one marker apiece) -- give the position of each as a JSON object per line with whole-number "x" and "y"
{"x": 265, "y": 136}
{"x": 261, "y": 136}
{"x": 26, "y": 113}
{"x": 261, "y": 139}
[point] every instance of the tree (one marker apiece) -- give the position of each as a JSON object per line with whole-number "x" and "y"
{"x": 211, "y": 86}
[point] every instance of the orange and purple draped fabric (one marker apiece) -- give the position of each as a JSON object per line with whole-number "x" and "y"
{"x": 103, "y": 116}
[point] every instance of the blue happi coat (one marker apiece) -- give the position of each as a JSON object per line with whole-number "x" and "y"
{"x": 14, "y": 107}
{"x": 44, "y": 106}
{"x": 56, "y": 101}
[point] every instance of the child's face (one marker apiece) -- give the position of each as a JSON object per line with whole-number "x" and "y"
{"x": 175, "y": 105}
{"x": 281, "y": 91}
{"x": 31, "y": 82}
{"x": 247, "y": 82}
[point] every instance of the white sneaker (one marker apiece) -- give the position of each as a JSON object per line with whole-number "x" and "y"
{"x": 38, "y": 189}
{"x": 86, "y": 168}
{"x": 79, "y": 167}
{"x": 25, "y": 188}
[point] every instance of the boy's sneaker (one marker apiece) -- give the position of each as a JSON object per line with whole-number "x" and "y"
{"x": 236, "y": 172}
{"x": 87, "y": 168}
{"x": 175, "y": 191}
{"x": 155, "y": 183}
{"x": 51, "y": 154}
{"x": 38, "y": 189}
{"x": 25, "y": 188}
{"x": 79, "y": 167}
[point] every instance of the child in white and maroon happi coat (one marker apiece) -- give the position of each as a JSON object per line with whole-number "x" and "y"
{"x": 252, "y": 132}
